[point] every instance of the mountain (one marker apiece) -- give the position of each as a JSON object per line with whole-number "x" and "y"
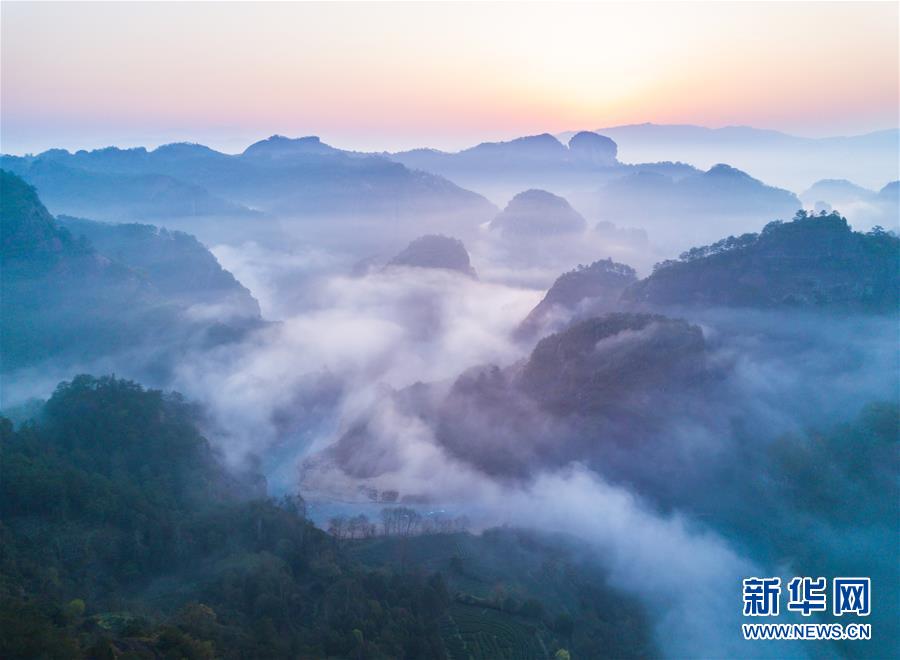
{"x": 532, "y": 147}
{"x": 536, "y": 213}
{"x": 175, "y": 263}
{"x": 836, "y": 192}
{"x": 111, "y": 195}
{"x": 500, "y": 169}
{"x": 864, "y": 208}
{"x": 786, "y": 160}
{"x": 518, "y": 153}
{"x": 593, "y": 149}
{"x": 279, "y": 147}
{"x": 721, "y": 189}
{"x": 125, "y": 535}
{"x": 65, "y": 302}
{"x": 890, "y": 192}
{"x": 679, "y": 211}
{"x": 601, "y": 382}
{"x": 605, "y": 381}
{"x": 584, "y": 150}
{"x": 596, "y": 365}
{"x": 675, "y": 203}
{"x": 813, "y": 261}
{"x": 435, "y": 251}
{"x": 558, "y": 588}
{"x": 28, "y": 229}
{"x": 50, "y": 280}
{"x": 596, "y": 287}
{"x": 291, "y": 178}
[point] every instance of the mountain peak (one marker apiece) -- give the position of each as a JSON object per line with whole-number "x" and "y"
{"x": 27, "y": 226}
{"x": 723, "y": 170}
{"x": 529, "y": 146}
{"x": 593, "y": 148}
{"x": 597, "y": 286}
{"x": 890, "y": 190}
{"x": 278, "y": 146}
{"x": 538, "y": 212}
{"x": 435, "y": 251}
{"x": 182, "y": 149}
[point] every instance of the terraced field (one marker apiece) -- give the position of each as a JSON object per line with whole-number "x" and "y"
{"x": 479, "y": 633}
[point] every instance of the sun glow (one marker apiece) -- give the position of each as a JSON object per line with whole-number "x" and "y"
{"x": 400, "y": 75}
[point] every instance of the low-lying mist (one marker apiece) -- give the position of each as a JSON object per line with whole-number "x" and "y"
{"x": 353, "y": 386}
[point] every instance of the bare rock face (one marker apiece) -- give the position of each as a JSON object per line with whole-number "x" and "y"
{"x": 536, "y": 213}
{"x": 592, "y": 148}
{"x": 436, "y": 251}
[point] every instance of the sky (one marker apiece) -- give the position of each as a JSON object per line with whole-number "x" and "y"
{"x": 389, "y": 76}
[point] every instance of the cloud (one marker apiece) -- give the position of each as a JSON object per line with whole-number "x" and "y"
{"x": 386, "y": 329}
{"x": 659, "y": 511}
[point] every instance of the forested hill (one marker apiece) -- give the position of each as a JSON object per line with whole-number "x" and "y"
{"x": 30, "y": 237}
{"x": 815, "y": 261}
{"x": 174, "y": 262}
{"x": 65, "y": 301}
{"x": 123, "y": 536}
{"x": 601, "y": 283}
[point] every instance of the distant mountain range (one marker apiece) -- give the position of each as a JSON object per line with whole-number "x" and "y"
{"x": 698, "y": 206}
{"x": 295, "y": 179}
{"x": 678, "y": 204}
{"x": 785, "y": 160}
{"x": 499, "y": 170}
{"x": 118, "y": 195}
{"x": 866, "y": 207}
{"x": 311, "y": 189}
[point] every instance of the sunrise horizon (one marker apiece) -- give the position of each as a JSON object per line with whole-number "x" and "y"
{"x": 232, "y": 145}
{"x": 232, "y": 73}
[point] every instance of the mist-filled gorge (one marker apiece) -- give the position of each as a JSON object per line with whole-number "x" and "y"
{"x": 396, "y": 391}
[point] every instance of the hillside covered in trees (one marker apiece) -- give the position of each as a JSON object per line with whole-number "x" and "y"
{"x": 65, "y": 299}
{"x": 122, "y": 535}
{"x": 814, "y": 261}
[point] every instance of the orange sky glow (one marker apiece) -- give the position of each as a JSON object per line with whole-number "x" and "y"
{"x": 398, "y": 75}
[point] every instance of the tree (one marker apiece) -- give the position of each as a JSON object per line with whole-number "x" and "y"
{"x": 337, "y": 526}
{"x": 359, "y": 526}
{"x": 563, "y": 625}
{"x": 74, "y": 609}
